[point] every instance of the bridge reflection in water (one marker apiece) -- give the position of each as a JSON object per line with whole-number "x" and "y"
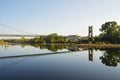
{"x": 90, "y": 54}
{"x": 22, "y": 58}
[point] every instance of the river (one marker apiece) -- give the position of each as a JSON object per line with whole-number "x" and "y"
{"x": 57, "y": 62}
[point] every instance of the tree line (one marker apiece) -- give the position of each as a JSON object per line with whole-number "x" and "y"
{"x": 52, "y": 38}
{"x": 110, "y": 33}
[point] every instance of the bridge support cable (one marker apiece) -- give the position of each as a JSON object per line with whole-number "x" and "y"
{"x": 15, "y": 29}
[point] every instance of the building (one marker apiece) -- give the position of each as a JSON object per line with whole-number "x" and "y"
{"x": 74, "y": 37}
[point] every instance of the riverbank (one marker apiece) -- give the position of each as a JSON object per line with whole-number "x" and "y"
{"x": 98, "y": 45}
{"x": 3, "y": 43}
{"x": 71, "y": 44}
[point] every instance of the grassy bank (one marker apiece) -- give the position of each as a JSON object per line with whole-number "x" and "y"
{"x": 98, "y": 45}
{"x": 2, "y": 43}
{"x": 87, "y": 45}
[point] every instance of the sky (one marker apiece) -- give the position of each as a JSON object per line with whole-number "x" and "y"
{"x": 65, "y": 17}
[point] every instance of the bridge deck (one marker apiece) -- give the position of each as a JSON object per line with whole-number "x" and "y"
{"x": 19, "y": 35}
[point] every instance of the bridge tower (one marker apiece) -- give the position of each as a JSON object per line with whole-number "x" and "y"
{"x": 90, "y": 34}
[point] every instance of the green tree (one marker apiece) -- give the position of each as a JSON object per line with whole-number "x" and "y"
{"x": 42, "y": 39}
{"x": 53, "y": 34}
{"x": 37, "y": 40}
{"x": 110, "y": 32}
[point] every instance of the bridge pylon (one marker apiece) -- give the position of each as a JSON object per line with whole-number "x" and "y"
{"x": 90, "y": 34}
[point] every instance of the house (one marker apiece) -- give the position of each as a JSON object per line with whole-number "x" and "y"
{"x": 74, "y": 37}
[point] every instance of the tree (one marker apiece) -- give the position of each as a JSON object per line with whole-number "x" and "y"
{"x": 53, "y": 34}
{"x": 108, "y": 27}
{"x": 42, "y": 39}
{"x": 110, "y": 32}
{"x": 37, "y": 40}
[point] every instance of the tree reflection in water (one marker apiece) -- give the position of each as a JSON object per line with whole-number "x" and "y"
{"x": 111, "y": 57}
{"x": 51, "y": 47}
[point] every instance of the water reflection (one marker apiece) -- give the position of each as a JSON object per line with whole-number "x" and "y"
{"x": 33, "y": 55}
{"x": 54, "y": 48}
{"x": 111, "y": 57}
{"x": 90, "y": 52}
{"x": 51, "y": 47}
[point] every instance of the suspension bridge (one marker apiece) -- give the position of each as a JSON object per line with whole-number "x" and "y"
{"x": 90, "y": 32}
{"x": 24, "y": 33}
{"x": 74, "y": 48}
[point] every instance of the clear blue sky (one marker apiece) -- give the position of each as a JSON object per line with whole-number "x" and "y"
{"x": 64, "y": 17}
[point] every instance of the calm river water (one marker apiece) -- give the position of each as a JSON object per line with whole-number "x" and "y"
{"x": 57, "y": 62}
